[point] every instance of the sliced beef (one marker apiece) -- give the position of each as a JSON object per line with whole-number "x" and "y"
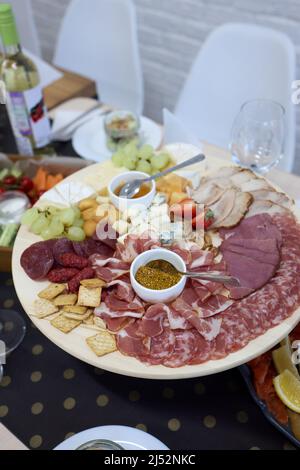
{"x": 251, "y": 252}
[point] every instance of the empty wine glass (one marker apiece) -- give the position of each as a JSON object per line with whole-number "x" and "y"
{"x": 12, "y": 332}
{"x": 258, "y": 133}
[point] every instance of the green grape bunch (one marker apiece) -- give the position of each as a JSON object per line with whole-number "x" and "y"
{"x": 53, "y": 222}
{"x": 142, "y": 159}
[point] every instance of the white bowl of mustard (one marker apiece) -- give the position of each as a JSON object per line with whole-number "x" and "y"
{"x": 158, "y": 296}
{"x": 144, "y": 197}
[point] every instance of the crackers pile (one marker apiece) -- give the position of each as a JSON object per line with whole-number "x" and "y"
{"x": 68, "y": 311}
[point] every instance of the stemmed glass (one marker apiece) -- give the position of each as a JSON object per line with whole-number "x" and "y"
{"x": 12, "y": 332}
{"x": 258, "y": 133}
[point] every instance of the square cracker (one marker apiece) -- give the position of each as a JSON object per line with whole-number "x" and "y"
{"x": 43, "y": 308}
{"x": 99, "y": 323}
{"x": 75, "y": 309}
{"x": 65, "y": 324}
{"x": 102, "y": 343}
{"x": 52, "y": 291}
{"x": 90, "y": 318}
{"x": 92, "y": 283}
{"x": 76, "y": 316}
{"x": 65, "y": 299}
{"x": 89, "y": 297}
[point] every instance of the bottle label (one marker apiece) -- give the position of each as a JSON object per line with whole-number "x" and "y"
{"x": 29, "y": 119}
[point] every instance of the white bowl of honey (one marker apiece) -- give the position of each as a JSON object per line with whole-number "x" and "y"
{"x": 143, "y": 198}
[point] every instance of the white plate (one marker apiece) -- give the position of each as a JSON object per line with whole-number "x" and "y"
{"x": 89, "y": 141}
{"x": 126, "y": 437}
{"x": 74, "y": 343}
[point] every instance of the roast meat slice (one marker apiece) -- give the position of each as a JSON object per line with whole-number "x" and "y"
{"x": 266, "y": 207}
{"x": 241, "y": 206}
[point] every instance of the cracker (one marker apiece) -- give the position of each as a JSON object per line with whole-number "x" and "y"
{"x": 52, "y": 291}
{"x": 75, "y": 309}
{"x": 76, "y": 316}
{"x": 43, "y": 308}
{"x": 89, "y": 297}
{"x": 102, "y": 343}
{"x": 90, "y": 318}
{"x": 65, "y": 324}
{"x": 99, "y": 323}
{"x": 53, "y": 316}
{"x": 65, "y": 299}
{"x": 92, "y": 283}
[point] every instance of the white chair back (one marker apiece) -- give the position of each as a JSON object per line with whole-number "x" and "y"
{"x": 237, "y": 63}
{"x": 98, "y": 38}
{"x": 26, "y": 25}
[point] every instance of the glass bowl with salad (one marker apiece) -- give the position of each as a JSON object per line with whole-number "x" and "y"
{"x": 121, "y": 128}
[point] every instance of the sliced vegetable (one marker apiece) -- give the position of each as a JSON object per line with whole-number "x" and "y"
{"x": 8, "y": 235}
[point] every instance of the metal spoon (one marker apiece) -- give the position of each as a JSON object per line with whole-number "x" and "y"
{"x": 213, "y": 276}
{"x": 132, "y": 188}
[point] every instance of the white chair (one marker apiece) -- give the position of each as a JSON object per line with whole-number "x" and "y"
{"x": 237, "y": 63}
{"x": 26, "y": 25}
{"x": 98, "y": 39}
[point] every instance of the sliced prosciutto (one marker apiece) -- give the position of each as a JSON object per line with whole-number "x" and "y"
{"x": 193, "y": 256}
{"x": 134, "y": 245}
{"x": 105, "y": 310}
{"x": 131, "y": 343}
{"x": 109, "y": 269}
{"x": 152, "y": 322}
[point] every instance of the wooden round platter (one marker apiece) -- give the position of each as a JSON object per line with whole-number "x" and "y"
{"x": 74, "y": 343}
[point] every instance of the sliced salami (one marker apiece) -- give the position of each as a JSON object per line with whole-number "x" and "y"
{"x": 185, "y": 348}
{"x": 37, "y": 260}
{"x": 62, "y": 246}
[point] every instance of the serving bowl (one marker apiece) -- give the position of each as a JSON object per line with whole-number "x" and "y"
{"x": 158, "y": 296}
{"x": 123, "y": 204}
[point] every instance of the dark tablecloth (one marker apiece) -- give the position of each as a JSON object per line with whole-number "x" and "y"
{"x": 47, "y": 394}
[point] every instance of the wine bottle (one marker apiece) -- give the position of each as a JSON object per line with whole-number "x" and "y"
{"x": 25, "y": 103}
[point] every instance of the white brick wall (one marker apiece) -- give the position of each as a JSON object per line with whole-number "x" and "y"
{"x": 171, "y": 33}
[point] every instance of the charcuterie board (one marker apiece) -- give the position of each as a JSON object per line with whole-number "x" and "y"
{"x": 98, "y": 176}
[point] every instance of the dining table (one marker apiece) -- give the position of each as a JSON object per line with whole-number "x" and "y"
{"x": 47, "y": 395}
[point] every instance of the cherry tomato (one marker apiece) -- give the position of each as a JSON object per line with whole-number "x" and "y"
{"x": 185, "y": 210}
{"x": 10, "y": 181}
{"x": 26, "y": 184}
